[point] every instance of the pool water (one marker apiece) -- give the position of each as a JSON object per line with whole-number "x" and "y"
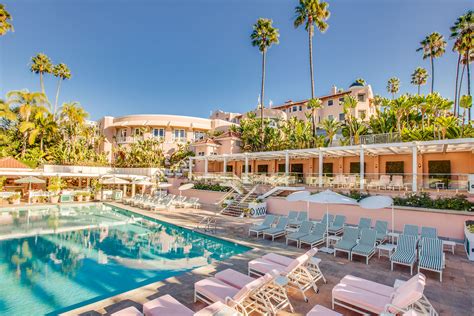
{"x": 53, "y": 259}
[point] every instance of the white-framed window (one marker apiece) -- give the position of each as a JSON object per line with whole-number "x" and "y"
{"x": 179, "y": 135}
{"x": 342, "y": 117}
{"x": 137, "y": 131}
{"x": 123, "y": 133}
{"x": 159, "y": 132}
{"x": 330, "y": 117}
{"x": 295, "y": 108}
{"x": 330, "y": 102}
{"x": 198, "y": 135}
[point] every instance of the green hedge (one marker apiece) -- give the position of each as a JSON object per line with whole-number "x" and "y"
{"x": 457, "y": 202}
{"x": 210, "y": 187}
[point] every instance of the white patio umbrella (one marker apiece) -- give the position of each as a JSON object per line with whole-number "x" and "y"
{"x": 299, "y": 196}
{"x": 113, "y": 180}
{"x": 329, "y": 197}
{"x": 379, "y": 202}
{"x": 164, "y": 185}
{"x": 140, "y": 181}
{"x": 185, "y": 187}
{"x": 29, "y": 180}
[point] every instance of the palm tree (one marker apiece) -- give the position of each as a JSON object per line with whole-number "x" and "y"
{"x": 26, "y": 102}
{"x": 331, "y": 127}
{"x": 349, "y": 103}
{"x": 433, "y": 46}
{"x": 393, "y": 86}
{"x": 72, "y": 118}
{"x": 466, "y": 103}
{"x": 5, "y": 19}
{"x": 5, "y": 111}
{"x": 62, "y": 72}
{"x": 41, "y": 64}
{"x": 463, "y": 32}
{"x": 419, "y": 77}
{"x": 310, "y": 13}
{"x": 45, "y": 126}
{"x": 314, "y": 104}
{"x": 264, "y": 35}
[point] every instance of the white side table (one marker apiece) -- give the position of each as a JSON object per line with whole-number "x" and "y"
{"x": 386, "y": 250}
{"x": 449, "y": 244}
{"x": 333, "y": 239}
{"x": 394, "y": 237}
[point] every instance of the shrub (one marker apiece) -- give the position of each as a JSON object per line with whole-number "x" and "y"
{"x": 210, "y": 187}
{"x": 457, "y": 202}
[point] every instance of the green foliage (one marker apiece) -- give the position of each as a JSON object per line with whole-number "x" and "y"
{"x": 5, "y": 19}
{"x": 210, "y": 187}
{"x": 2, "y": 182}
{"x": 143, "y": 153}
{"x": 178, "y": 158}
{"x": 56, "y": 184}
{"x": 458, "y": 202}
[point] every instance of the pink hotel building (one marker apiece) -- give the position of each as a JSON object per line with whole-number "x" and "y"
{"x": 174, "y": 129}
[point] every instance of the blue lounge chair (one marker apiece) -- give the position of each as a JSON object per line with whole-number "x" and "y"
{"x": 338, "y": 225}
{"x": 366, "y": 245}
{"x": 429, "y": 232}
{"x": 432, "y": 256}
{"x": 405, "y": 253}
{"x": 304, "y": 230}
{"x": 381, "y": 227}
{"x": 348, "y": 241}
{"x": 266, "y": 224}
{"x": 316, "y": 237}
{"x": 411, "y": 230}
{"x": 277, "y": 231}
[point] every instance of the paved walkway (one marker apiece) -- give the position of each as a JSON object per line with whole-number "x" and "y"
{"x": 455, "y": 296}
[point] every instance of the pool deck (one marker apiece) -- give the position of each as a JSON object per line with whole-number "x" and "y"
{"x": 454, "y": 296}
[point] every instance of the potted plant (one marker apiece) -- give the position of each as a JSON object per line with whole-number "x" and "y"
{"x": 14, "y": 198}
{"x": 55, "y": 186}
{"x": 96, "y": 187}
{"x": 78, "y": 196}
{"x": 86, "y": 196}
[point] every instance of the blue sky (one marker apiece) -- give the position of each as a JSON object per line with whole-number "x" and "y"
{"x": 192, "y": 56}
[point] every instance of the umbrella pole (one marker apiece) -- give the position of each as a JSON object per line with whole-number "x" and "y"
{"x": 327, "y": 225}
{"x": 29, "y": 193}
{"x": 393, "y": 223}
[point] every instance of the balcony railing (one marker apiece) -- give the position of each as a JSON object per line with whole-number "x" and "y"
{"x": 368, "y": 139}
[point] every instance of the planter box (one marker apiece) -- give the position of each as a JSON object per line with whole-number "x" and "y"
{"x": 257, "y": 209}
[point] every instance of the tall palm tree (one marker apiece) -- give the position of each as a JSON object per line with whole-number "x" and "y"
{"x": 264, "y": 35}
{"x": 463, "y": 33}
{"x": 62, "y": 72}
{"x": 5, "y": 19}
{"x": 45, "y": 126}
{"x": 465, "y": 102}
{"x": 26, "y": 102}
{"x": 348, "y": 104}
{"x": 331, "y": 127}
{"x": 393, "y": 86}
{"x": 41, "y": 64}
{"x": 72, "y": 118}
{"x": 310, "y": 13}
{"x": 419, "y": 77}
{"x": 5, "y": 111}
{"x": 433, "y": 46}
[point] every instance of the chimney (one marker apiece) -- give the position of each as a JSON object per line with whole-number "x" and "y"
{"x": 333, "y": 90}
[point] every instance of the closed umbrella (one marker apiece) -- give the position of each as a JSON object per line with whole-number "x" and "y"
{"x": 29, "y": 180}
{"x": 379, "y": 202}
{"x": 329, "y": 197}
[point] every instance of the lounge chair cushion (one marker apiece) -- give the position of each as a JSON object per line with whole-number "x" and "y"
{"x": 259, "y": 228}
{"x": 210, "y": 310}
{"x": 215, "y": 290}
{"x": 405, "y": 286}
{"x": 286, "y": 261}
{"x": 129, "y": 311}
{"x": 411, "y": 293}
{"x": 255, "y": 284}
{"x": 363, "y": 249}
{"x": 296, "y": 236}
{"x": 319, "y": 310}
{"x": 381, "y": 236}
{"x": 264, "y": 266}
{"x": 345, "y": 245}
{"x": 368, "y": 285}
{"x": 312, "y": 238}
{"x": 403, "y": 257}
{"x": 366, "y": 300}
{"x": 274, "y": 231}
{"x": 234, "y": 278}
{"x": 166, "y": 305}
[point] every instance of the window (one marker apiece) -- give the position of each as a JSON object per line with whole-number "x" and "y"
{"x": 354, "y": 167}
{"x": 123, "y": 133}
{"x": 308, "y": 107}
{"x": 361, "y": 97}
{"x": 439, "y": 173}
{"x": 289, "y": 110}
{"x": 262, "y": 169}
{"x": 137, "y": 132}
{"x": 330, "y": 102}
{"x": 342, "y": 117}
{"x": 199, "y": 135}
{"x": 281, "y": 168}
{"x": 328, "y": 169}
{"x": 229, "y": 168}
{"x": 362, "y": 114}
{"x": 295, "y": 108}
{"x": 249, "y": 168}
{"x": 159, "y": 132}
{"x": 201, "y": 153}
{"x": 301, "y": 108}
{"x": 179, "y": 135}
{"x": 330, "y": 117}
{"x": 341, "y": 100}
{"x": 394, "y": 167}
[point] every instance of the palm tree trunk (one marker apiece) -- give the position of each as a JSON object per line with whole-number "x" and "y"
{"x": 41, "y": 82}
{"x": 262, "y": 97}
{"x": 456, "y": 113}
{"x": 432, "y": 74}
{"x": 310, "y": 39}
{"x": 468, "y": 81}
{"x": 418, "y": 89}
{"x": 460, "y": 86}
{"x": 57, "y": 98}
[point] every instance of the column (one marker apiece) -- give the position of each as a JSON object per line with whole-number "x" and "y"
{"x": 190, "y": 172}
{"x": 224, "y": 168}
{"x": 206, "y": 165}
{"x": 287, "y": 163}
{"x": 320, "y": 169}
{"x": 414, "y": 168}
{"x": 246, "y": 169}
{"x": 362, "y": 171}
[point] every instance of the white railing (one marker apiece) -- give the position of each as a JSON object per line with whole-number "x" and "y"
{"x": 367, "y": 139}
{"x": 148, "y": 172}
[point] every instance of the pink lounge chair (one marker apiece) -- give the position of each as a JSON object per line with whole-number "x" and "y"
{"x": 363, "y": 295}
{"x": 302, "y": 273}
{"x": 169, "y": 306}
{"x": 242, "y": 292}
{"x": 319, "y": 310}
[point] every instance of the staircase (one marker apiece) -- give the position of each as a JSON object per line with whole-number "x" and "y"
{"x": 241, "y": 201}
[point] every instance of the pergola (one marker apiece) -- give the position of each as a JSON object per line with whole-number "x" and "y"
{"x": 413, "y": 148}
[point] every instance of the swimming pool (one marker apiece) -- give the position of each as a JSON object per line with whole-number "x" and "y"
{"x": 56, "y": 258}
